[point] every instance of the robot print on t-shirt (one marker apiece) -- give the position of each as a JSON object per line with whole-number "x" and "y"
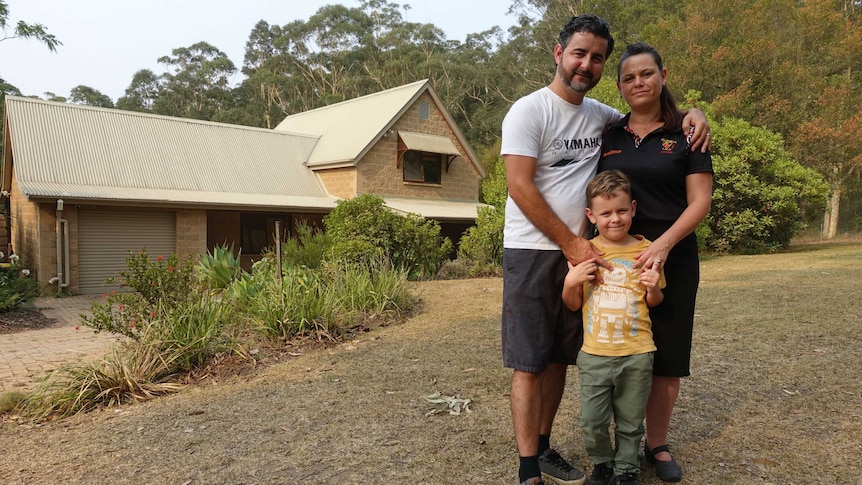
{"x": 613, "y": 304}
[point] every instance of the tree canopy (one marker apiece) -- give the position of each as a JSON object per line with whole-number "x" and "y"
{"x": 786, "y": 66}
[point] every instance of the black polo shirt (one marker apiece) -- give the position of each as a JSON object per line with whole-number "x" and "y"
{"x": 657, "y": 168}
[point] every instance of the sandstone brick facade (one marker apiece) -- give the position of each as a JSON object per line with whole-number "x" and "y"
{"x": 380, "y": 173}
{"x": 191, "y": 232}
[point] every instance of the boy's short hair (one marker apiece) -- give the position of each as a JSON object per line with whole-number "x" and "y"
{"x": 606, "y": 184}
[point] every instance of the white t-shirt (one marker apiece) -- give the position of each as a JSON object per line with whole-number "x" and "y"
{"x": 566, "y": 141}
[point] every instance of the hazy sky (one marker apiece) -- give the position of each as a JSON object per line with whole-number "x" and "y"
{"x": 106, "y": 41}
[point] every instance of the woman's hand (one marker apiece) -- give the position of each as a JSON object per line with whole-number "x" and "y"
{"x": 657, "y": 251}
{"x": 702, "y": 137}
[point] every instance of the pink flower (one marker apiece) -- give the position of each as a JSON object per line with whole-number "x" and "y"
{"x": 152, "y": 314}
{"x": 170, "y": 269}
{"x": 120, "y": 307}
{"x": 159, "y": 259}
{"x": 77, "y": 328}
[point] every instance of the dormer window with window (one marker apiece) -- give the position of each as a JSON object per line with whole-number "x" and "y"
{"x": 423, "y": 158}
{"x": 423, "y": 167}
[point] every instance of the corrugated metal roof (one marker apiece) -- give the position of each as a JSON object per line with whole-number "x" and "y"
{"x": 435, "y": 208}
{"x": 348, "y": 128}
{"x": 104, "y": 153}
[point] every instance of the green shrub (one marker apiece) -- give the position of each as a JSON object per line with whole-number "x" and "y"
{"x": 357, "y": 251}
{"x": 156, "y": 279}
{"x": 159, "y": 283}
{"x": 308, "y": 247}
{"x": 17, "y": 288}
{"x": 482, "y": 244}
{"x": 760, "y": 193}
{"x": 410, "y": 242}
{"x": 481, "y": 247}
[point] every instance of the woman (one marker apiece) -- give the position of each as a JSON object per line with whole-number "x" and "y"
{"x": 673, "y": 189}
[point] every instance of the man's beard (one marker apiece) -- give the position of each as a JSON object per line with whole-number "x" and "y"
{"x": 579, "y": 85}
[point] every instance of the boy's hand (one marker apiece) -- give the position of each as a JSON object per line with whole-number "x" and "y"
{"x": 649, "y": 277}
{"x": 581, "y": 273}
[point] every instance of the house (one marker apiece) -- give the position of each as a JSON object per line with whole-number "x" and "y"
{"x": 85, "y": 185}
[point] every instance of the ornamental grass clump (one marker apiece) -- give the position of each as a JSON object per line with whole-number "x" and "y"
{"x": 134, "y": 373}
{"x": 325, "y": 301}
{"x": 175, "y": 341}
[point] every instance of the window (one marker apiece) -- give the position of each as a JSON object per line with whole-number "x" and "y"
{"x": 257, "y": 231}
{"x": 423, "y": 167}
{"x": 424, "y": 111}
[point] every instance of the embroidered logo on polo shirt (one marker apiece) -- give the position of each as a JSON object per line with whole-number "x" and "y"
{"x": 667, "y": 145}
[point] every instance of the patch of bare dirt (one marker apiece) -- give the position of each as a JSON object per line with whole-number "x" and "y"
{"x": 23, "y": 320}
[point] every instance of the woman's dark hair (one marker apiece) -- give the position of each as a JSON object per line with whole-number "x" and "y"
{"x": 669, "y": 112}
{"x": 590, "y": 24}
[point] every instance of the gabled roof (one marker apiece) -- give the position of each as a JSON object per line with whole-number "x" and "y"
{"x": 73, "y": 151}
{"x": 349, "y": 129}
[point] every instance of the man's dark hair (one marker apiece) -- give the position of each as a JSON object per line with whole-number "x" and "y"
{"x": 591, "y": 24}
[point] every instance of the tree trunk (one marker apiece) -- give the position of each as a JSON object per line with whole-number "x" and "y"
{"x": 830, "y": 222}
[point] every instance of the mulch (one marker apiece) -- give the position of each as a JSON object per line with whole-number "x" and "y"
{"x": 23, "y": 320}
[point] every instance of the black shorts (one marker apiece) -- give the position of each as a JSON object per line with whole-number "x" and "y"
{"x": 537, "y": 328}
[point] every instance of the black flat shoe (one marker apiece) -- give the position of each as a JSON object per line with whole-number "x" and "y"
{"x": 666, "y": 471}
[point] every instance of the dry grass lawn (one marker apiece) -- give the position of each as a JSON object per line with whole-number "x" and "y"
{"x": 775, "y": 397}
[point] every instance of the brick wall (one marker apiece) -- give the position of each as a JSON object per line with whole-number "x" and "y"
{"x": 378, "y": 172}
{"x": 24, "y": 221}
{"x": 191, "y": 232}
{"x": 339, "y": 182}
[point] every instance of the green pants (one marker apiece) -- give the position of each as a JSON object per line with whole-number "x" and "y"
{"x": 614, "y": 388}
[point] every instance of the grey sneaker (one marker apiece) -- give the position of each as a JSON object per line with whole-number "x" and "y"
{"x": 556, "y": 470}
{"x": 533, "y": 481}
{"x": 602, "y": 474}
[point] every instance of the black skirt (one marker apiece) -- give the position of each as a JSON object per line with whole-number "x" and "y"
{"x": 673, "y": 319}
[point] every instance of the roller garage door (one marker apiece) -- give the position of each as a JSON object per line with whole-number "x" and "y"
{"x": 106, "y": 236}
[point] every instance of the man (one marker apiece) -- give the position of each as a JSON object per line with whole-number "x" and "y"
{"x": 551, "y": 145}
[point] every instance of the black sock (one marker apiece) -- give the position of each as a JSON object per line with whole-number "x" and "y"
{"x": 544, "y": 442}
{"x": 528, "y": 468}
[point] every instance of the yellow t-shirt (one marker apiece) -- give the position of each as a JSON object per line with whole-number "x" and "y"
{"x": 616, "y": 316}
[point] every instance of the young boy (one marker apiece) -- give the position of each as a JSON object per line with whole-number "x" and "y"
{"x": 615, "y": 362}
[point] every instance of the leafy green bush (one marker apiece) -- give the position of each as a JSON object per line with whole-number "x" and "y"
{"x": 308, "y": 247}
{"x": 363, "y": 227}
{"x": 482, "y": 244}
{"x": 159, "y": 283}
{"x": 481, "y": 247}
{"x": 760, "y": 193}
{"x": 17, "y": 288}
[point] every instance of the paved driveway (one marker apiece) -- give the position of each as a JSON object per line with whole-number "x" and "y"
{"x": 29, "y": 355}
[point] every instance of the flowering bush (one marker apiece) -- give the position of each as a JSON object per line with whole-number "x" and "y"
{"x": 17, "y": 289}
{"x": 158, "y": 283}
